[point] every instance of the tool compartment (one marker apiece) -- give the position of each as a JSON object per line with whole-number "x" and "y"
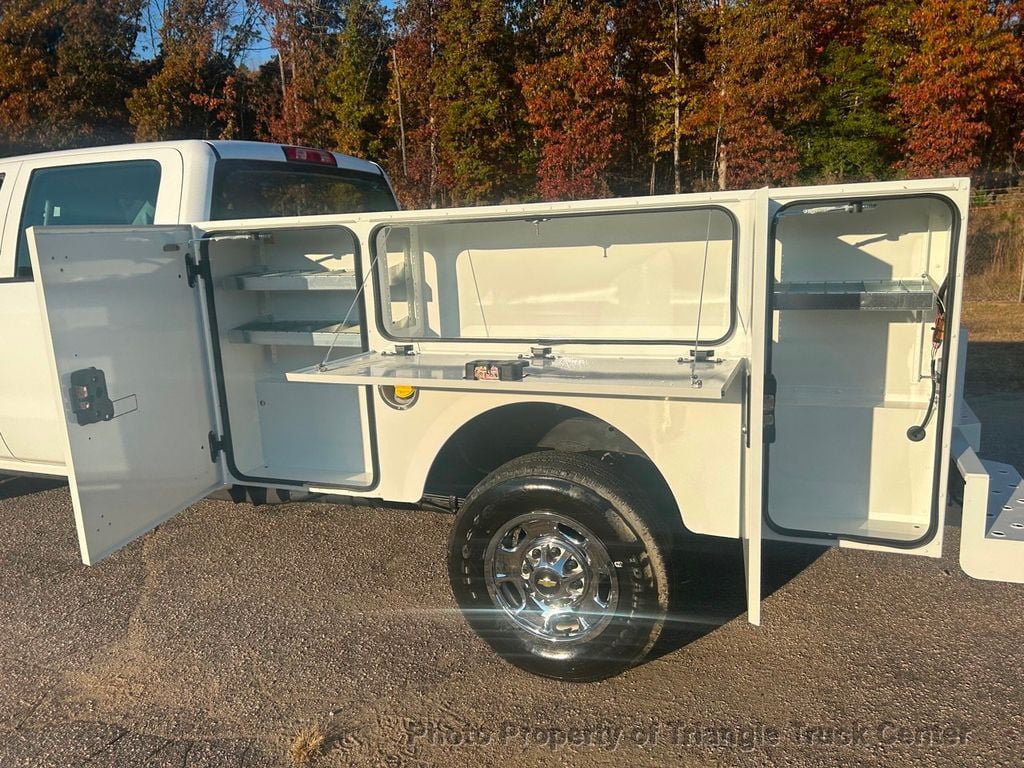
{"x": 282, "y": 298}
{"x": 858, "y": 289}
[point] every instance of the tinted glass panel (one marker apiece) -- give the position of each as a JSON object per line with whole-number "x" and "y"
{"x": 244, "y": 189}
{"x": 100, "y": 193}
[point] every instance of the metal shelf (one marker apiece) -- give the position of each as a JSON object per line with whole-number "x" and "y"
{"x": 661, "y": 378}
{"x": 306, "y": 333}
{"x": 870, "y": 295}
{"x": 293, "y": 280}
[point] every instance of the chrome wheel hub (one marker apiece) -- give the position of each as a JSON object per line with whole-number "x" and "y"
{"x": 552, "y": 576}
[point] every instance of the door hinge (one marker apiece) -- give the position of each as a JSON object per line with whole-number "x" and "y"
{"x": 191, "y": 270}
{"x": 216, "y": 446}
{"x": 771, "y": 389}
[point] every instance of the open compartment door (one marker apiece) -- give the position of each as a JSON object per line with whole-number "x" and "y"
{"x": 862, "y": 314}
{"x": 131, "y": 371}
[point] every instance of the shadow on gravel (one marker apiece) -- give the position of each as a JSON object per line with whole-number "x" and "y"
{"x": 12, "y": 486}
{"x": 712, "y": 591}
{"x": 994, "y": 367}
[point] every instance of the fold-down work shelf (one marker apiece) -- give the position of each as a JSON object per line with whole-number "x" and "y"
{"x": 622, "y": 376}
{"x": 876, "y": 295}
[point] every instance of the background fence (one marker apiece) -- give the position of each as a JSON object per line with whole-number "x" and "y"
{"x": 995, "y": 246}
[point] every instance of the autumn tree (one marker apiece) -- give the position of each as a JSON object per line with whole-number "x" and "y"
{"x": 191, "y": 93}
{"x": 480, "y": 113}
{"x": 95, "y": 73}
{"x": 29, "y": 36}
{"x": 65, "y": 71}
{"x": 673, "y": 49}
{"x": 755, "y": 92}
{"x": 965, "y": 66}
{"x": 635, "y": 161}
{"x": 573, "y": 98}
{"x": 860, "y": 47}
{"x": 411, "y": 117}
{"x": 359, "y": 81}
{"x": 304, "y": 34}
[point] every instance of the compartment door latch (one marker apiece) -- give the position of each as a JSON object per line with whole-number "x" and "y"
{"x": 216, "y": 446}
{"x": 90, "y": 399}
{"x": 771, "y": 389}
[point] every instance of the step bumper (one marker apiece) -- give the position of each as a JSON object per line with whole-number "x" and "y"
{"x": 992, "y": 529}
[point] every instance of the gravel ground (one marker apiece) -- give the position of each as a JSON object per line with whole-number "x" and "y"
{"x": 220, "y": 637}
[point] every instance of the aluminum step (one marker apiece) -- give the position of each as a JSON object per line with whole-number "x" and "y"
{"x": 992, "y": 526}
{"x": 1005, "y": 517}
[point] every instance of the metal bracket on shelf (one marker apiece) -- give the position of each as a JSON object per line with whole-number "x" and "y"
{"x": 538, "y": 352}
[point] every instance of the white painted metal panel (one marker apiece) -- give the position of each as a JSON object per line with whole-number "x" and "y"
{"x": 751, "y": 531}
{"x": 696, "y": 445}
{"x": 29, "y": 415}
{"x": 118, "y": 298}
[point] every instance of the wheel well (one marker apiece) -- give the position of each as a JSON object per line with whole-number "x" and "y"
{"x": 495, "y": 437}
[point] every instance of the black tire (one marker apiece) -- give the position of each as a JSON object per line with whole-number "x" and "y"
{"x": 612, "y": 518}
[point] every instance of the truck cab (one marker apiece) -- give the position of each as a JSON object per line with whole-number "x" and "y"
{"x": 138, "y": 185}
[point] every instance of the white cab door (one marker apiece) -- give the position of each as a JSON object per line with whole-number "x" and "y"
{"x": 118, "y": 300}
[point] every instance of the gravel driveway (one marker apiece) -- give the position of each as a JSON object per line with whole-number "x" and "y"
{"x": 231, "y": 630}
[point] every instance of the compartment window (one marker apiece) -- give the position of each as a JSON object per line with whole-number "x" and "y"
{"x": 124, "y": 192}
{"x": 253, "y": 189}
{"x": 638, "y": 276}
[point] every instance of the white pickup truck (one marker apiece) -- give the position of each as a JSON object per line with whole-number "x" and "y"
{"x": 584, "y": 383}
{"x": 160, "y": 183}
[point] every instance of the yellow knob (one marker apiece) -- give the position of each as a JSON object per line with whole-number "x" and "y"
{"x": 404, "y": 391}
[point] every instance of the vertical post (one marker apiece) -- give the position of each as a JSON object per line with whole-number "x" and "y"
{"x": 1020, "y": 292}
{"x": 753, "y": 490}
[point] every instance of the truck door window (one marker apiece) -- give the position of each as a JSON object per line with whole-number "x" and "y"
{"x": 124, "y": 192}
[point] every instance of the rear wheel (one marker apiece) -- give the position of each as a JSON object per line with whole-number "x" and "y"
{"x": 556, "y": 561}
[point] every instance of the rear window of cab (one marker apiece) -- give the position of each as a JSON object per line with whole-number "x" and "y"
{"x": 244, "y": 189}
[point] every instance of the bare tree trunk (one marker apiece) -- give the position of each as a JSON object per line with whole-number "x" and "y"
{"x": 433, "y": 162}
{"x": 401, "y": 120}
{"x": 719, "y": 164}
{"x": 284, "y": 90}
{"x": 677, "y": 182}
{"x": 1020, "y": 293}
{"x": 295, "y": 138}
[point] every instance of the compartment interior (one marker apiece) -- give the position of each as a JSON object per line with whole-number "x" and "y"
{"x": 643, "y": 276}
{"x": 282, "y": 299}
{"x": 856, "y": 297}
